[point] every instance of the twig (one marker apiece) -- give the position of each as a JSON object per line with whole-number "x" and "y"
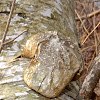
{"x": 91, "y": 59}
{"x": 87, "y": 47}
{"x": 98, "y": 38}
{"x": 81, "y": 21}
{"x": 7, "y": 26}
{"x": 14, "y": 38}
{"x": 94, "y": 23}
{"x": 89, "y": 15}
{"x": 90, "y": 33}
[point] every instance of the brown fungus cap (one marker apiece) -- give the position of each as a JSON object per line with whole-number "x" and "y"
{"x": 56, "y": 62}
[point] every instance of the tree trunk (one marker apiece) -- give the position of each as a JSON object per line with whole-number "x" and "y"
{"x": 39, "y": 16}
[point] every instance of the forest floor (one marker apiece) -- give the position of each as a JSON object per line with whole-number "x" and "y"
{"x": 88, "y": 29}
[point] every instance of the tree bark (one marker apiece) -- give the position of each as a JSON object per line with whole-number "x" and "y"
{"x": 90, "y": 80}
{"x": 41, "y": 16}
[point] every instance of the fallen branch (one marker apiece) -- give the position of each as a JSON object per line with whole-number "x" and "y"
{"x": 91, "y": 80}
{"x": 7, "y": 26}
{"x": 89, "y": 15}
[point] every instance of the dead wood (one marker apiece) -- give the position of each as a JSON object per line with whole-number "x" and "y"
{"x": 90, "y": 80}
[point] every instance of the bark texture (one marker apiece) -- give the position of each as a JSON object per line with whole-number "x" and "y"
{"x": 55, "y": 19}
{"x": 91, "y": 80}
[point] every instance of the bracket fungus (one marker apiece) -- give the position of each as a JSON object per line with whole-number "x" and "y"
{"x": 55, "y": 61}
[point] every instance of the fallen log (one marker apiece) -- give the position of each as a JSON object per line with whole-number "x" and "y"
{"x": 53, "y": 22}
